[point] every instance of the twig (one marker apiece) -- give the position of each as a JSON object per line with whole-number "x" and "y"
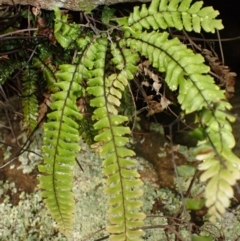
{"x": 18, "y": 31}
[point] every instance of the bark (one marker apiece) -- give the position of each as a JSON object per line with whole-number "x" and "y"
{"x": 68, "y": 4}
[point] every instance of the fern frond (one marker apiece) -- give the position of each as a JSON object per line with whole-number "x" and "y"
{"x": 187, "y": 72}
{"x": 29, "y": 101}
{"x": 7, "y": 68}
{"x": 123, "y": 182}
{"x": 61, "y": 143}
{"x": 48, "y": 71}
{"x": 175, "y": 13}
{"x": 64, "y": 32}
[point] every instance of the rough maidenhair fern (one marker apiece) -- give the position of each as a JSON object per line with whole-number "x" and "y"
{"x": 61, "y": 143}
{"x": 184, "y": 71}
{"x": 198, "y": 93}
{"x": 122, "y": 178}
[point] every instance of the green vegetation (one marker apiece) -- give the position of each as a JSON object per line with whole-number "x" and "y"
{"x": 84, "y": 94}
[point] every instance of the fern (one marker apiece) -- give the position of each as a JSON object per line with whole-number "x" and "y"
{"x": 185, "y": 72}
{"x": 7, "y": 68}
{"x": 61, "y": 143}
{"x": 64, "y": 32}
{"x": 122, "y": 178}
{"x": 29, "y": 100}
{"x": 61, "y": 139}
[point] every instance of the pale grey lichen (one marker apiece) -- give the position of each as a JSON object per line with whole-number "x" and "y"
{"x": 30, "y": 160}
{"x": 228, "y": 227}
{"x": 30, "y": 220}
{"x": 89, "y": 194}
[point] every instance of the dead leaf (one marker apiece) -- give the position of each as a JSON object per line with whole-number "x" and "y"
{"x": 165, "y": 102}
{"x": 226, "y": 77}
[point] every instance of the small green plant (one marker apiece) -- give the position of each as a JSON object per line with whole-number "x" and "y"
{"x": 105, "y": 62}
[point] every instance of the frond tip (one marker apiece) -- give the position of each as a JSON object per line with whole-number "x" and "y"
{"x": 221, "y": 166}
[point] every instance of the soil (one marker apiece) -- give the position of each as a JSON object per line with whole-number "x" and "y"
{"x": 148, "y": 146}
{"x": 24, "y": 182}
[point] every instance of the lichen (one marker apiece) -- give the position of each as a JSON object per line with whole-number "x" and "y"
{"x": 30, "y": 220}
{"x": 30, "y": 160}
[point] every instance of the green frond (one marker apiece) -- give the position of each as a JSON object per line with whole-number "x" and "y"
{"x": 61, "y": 144}
{"x": 123, "y": 183}
{"x": 187, "y": 72}
{"x": 64, "y": 32}
{"x": 221, "y": 166}
{"x": 162, "y": 14}
{"x": 184, "y": 69}
{"x": 7, "y": 68}
{"x": 29, "y": 100}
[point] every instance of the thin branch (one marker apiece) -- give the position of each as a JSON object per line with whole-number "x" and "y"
{"x": 18, "y": 31}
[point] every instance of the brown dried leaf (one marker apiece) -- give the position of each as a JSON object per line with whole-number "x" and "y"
{"x": 43, "y": 107}
{"x": 154, "y": 107}
{"x": 144, "y": 67}
{"x": 165, "y": 102}
{"x": 4, "y": 57}
{"x": 226, "y": 77}
{"x": 81, "y": 104}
